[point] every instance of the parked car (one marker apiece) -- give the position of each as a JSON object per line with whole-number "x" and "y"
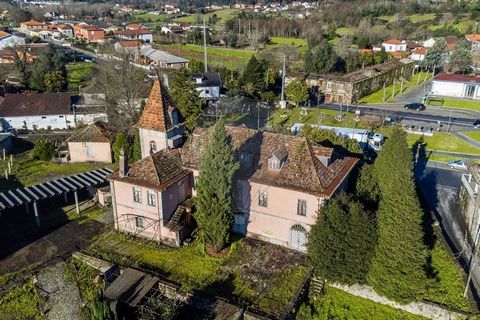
{"x": 457, "y": 164}
{"x": 476, "y": 123}
{"x": 415, "y": 106}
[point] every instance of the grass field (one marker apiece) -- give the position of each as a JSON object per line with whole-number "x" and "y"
{"x": 459, "y": 104}
{"x": 344, "y": 31}
{"x": 150, "y": 17}
{"x": 78, "y": 74}
{"x": 377, "y": 97}
{"x": 414, "y": 18}
{"x": 222, "y": 16}
{"x": 461, "y": 26}
{"x": 475, "y": 135}
{"x": 338, "y": 304}
{"x": 276, "y": 42}
{"x": 314, "y": 116}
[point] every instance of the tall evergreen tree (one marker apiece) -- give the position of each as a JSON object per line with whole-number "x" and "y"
{"x": 253, "y": 79}
{"x": 137, "y": 149}
{"x": 186, "y": 98}
{"x": 461, "y": 57}
{"x": 398, "y": 269}
{"x": 341, "y": 242}
{"x": 436, "y": 54}
{"x": 120, "y": 143}
{"x": 214, "y": 190}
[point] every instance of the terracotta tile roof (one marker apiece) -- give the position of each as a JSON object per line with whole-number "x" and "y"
{"x": 302, "y": 169}
{"x": 420, "y": 50}
{"x": 156, "y": 171}
{"x": 130, "y": 43}
{"x": 473, "y": 37}
{"x": 4, "y": 34}
{"x": 32, "y": 23}
{"x": 156, "y": 114}
{"x": 134, "y": 26}
{"x": 393, "y": 41}
{"x": 451, "y": 42}
{"x": 95, "y": 132}
{"x": 33, "y": 103}
{"x": 456, "y": 78}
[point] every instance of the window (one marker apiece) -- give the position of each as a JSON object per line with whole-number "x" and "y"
{"x": 151, "y": 199}
{"x": 262, "y": 198}
{"x": 175, "y": 117}
{"x": 302, "y": 207}
{"x": 340, "y": 86}
{"x": 60, "y": 116}
{"x": 139, "y": 222}
{"x": 153, "y": 147}
{"x": 89, "y": 151}
{"x": 329, "y": 85}
{"x": 274, "y": 164}
{"x": 137, "y": 194}
{"x": 44, "y": 117}
{"x": 313, "y": 82}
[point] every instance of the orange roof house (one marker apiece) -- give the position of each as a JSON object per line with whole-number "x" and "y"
{"x": 88, "y": 32}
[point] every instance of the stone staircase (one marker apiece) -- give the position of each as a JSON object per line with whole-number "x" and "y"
{"x": 316, "y": 286}
{"x": 174, "y": 221}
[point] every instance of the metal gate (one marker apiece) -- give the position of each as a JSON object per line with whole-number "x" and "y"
{"x": 298, "y": 238}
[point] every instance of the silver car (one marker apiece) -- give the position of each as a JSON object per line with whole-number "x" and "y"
{"x": 457, "y": 164}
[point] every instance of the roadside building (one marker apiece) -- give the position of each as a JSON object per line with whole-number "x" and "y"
{"x": 418, "y": 54}
{"x": 161, "y": 59}
{"x": 143, "y": 35}
{"x": 394, "y": 45}
{"x": 351, "y": 87}
{"x": 281, "y": 183}
{"x": 129, "y": 46}
{"x": 208, "y": 84}
{"x": 10, "y": 40}
{"x": 28, "y": 26}
{"x": 474, "y": 40}
{"x": 91, "y": 143}
{"x": 88, "y": 33}
{"x": 35, "y": 111}
{"x": 456, "y": 85}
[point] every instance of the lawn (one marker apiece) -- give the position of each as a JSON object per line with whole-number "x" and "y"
{"x": 346, "y": 31}
{"x": 254, "y": 272}
{"x": 26, "y": 171}
{"x": 79, "y": 73}
{"x": 338, "y": 304}
{"x": 461, "y": 26}
{"x": 377, "y": 97}
{"x": 475, "y": 135}
{"x": 222, "y": 16}
{"x": 414, "y": 18}
{"x": 276, "y": 42}
{"x": 150, "y": 17}
{"x": 459, "y": 104}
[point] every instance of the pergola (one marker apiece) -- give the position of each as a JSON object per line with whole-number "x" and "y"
{"x": 25, "y": 196}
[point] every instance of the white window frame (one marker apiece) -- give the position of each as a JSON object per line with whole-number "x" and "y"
{"x": 153, "y": 146}
{"x": 263, "y": 198}
{"x": 329, "y": 85}
{"x": 151, "y": 198}
{"x": 274, "y": 164}
{"x": 137, "y": 195}
{"x": 90, "y": 153}
{"x": 302, "y": 207}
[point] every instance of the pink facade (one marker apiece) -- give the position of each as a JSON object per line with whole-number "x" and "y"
{"x": 90, "y": 151}
{"x": 155, "y": 213}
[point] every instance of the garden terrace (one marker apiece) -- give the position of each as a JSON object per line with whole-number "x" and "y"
{"x": 253, "y": 273}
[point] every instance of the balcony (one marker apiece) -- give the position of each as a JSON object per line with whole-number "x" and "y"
{"x": 470, "y": 184}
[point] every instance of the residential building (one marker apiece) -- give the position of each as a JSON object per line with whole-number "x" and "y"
{"x": 394, "y": 45}
{"x": 88, "y": 32}
{"x": 172, "y": 29}
{"x": 469, "y": 201}
{"x": 134, "y": 26}
{"x": 474, "y": 40}
{"x": 34, "y": 111}
{"x": 418, "y": 54}
{"x": 456, "y": 85}
{"x": 28, "y": 26}
{"x": 161, "y": 59}
{"x": 282, "y": 182}
{"x": 351, "y": 87}
{"x": 128, "y": 46}
{"x": 450, "y": 40}
{"x": 143, "y": 35}
{"x": 91, "y": 143}
{"x": 208, "y": 84}
{"x": 10, "y": 40}
{"x": 65, "y": 30}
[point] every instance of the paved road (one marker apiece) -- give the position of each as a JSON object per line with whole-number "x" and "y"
{"x": 440, "y": 186}
{"x": 415, "y": 94}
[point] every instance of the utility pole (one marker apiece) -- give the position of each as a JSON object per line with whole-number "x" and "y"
{"x": 472, "y": 261}
{"x": 205, "y": 62}
{"x": 283, "y": 103}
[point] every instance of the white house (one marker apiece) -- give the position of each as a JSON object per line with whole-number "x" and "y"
{"x": 208, "y": 84}
{"x": 10, "y": 40}
{"x": 418, "y": 54}
{"x": 144, "y": 35}
{"x": 456, "y": 85}
{"x": 34, "y": 111}
{"x": 394, "y": 45}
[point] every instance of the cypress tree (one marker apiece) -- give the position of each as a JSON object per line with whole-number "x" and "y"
{"x": 137, "y": 149}
{"x": 341, "y": 242}
{"x": 214, "y": 190}
{"x": 398, "y": 269}
{"x": 120, "y": 143}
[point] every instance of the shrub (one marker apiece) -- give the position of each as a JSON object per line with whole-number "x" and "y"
{"x": 44, "y": 150}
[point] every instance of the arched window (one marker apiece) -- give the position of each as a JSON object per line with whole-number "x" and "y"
{"x": 153, "y": 147}
{"x": 298, "y": 238}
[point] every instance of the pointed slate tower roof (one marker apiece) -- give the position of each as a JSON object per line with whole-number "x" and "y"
{"x": 157, "y": 112}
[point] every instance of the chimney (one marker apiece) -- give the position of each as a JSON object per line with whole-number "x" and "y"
{"x": 122, "y": 163}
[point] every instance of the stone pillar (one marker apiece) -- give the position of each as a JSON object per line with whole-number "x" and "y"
{"x": 75, "y": 193}
{"x": 37, "y": 216}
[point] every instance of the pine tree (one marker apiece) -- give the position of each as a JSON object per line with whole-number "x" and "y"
{"x": 214, "y": 190}
{"x": 186, "y": 98}
{"x": 137, "y": 149}
{"x": 398, "y": 268}
{"x": 320, "y": 56}
{"x": 341, "y": 242}
{"x": 436, "y": 54}
{"x": 461, "y": 57}
{"x": 253, "y": 79}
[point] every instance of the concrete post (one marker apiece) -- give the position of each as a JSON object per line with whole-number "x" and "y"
{"x": 37, "y": 216}
{"x": 76, "y": 201}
